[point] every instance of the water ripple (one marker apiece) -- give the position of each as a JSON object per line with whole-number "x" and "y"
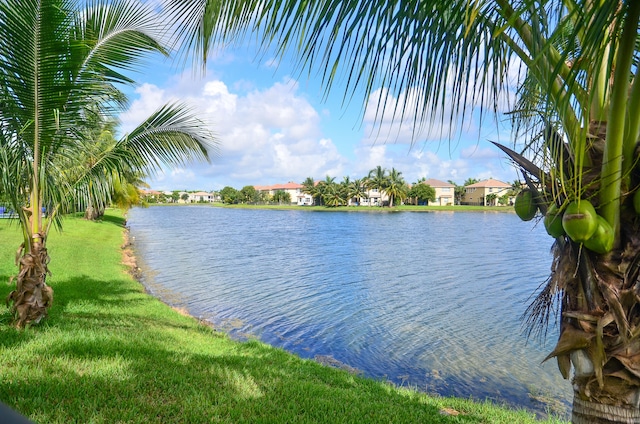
{"x": 431, "y": 300}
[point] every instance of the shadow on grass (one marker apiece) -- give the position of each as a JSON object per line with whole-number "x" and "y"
{"x": 110, "y": 353}
{"x": 85, "y": 289}
{"x": 143, "y": 380}
{"x": 117, "y": 220}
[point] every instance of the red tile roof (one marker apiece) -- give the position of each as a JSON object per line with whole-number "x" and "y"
{"x": 490, "y": 183}
{"x": 437, "y": 183}
{"x": 286, "y": 186}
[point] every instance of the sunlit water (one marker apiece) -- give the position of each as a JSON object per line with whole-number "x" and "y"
{"x": 428, "y": 300}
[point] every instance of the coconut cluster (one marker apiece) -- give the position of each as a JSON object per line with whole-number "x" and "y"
{"x": 577, "y": 220}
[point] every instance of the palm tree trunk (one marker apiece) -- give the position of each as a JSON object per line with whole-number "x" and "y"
{"x": 32, "y": 297}
{"x": 600, "y": 326}
{"x": 585, "y": 412}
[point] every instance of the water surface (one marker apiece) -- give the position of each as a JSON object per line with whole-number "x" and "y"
{"x": 429, "y": 300}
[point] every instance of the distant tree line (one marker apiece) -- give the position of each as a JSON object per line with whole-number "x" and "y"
{"x": 350, "y": 192}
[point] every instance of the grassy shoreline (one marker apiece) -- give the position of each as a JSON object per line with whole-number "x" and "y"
{"x": 109, "y": 352}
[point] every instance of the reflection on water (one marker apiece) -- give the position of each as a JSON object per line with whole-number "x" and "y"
{"x": 429, "y": 300}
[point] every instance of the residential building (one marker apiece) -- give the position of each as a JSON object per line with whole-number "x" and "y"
{"x": 167, "y": 196}
{"x": 444, "y": 192}
{"x": 151, "y": 195}
{"x": 476, "y": 194}
{"x": 374, "y": 197}
{"x": 200, "y": 196}
{"x": 294, "y": 190}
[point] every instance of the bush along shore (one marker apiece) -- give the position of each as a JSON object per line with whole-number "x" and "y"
{"x": 108, "y": 352}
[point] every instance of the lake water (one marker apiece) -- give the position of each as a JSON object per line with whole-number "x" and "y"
{"x": 428, "y": 300}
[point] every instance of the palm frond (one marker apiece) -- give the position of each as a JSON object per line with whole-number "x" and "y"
{"x": 171, "y": 136}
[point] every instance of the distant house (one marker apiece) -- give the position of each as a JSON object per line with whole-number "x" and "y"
{"x": 151, "y": 195}
{"x": 167, "y": 196}
{"x": 444, "y": 192}
{"x": 374, "y": 197}
{"x": 304, "y": 199}
{"x": 476, "y": 194}
{"x": 200, "y": 196}
{"x": 294, "y": 189}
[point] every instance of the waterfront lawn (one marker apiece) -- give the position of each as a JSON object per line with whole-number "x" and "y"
{"x": 109, "y": 353}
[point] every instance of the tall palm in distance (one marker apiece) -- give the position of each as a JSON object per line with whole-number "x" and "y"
{"x": 309, "y": 187}
{"x": 88, "y": 169}
{"x": 345, "y": 189}
{"x": 577, "y": 120}
{"x": 333, "y": 195}
{"x": 357, "y": 190}
{"x": 377, "y": 180}
{"x": 396, "y": 187}
{"x": 327, "y": 189}
{"x": 62, "y": 63}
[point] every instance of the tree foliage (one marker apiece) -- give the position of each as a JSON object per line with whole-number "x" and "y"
{"x": 229, "y": 195}
{"x": 422, "y": 193}
{"x": 281, "y": 197}
{"x": 248, "y": 194}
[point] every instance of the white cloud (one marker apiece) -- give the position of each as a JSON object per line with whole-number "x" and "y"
{"x": 274, "y": 133}
{"x": 266, "y": 136}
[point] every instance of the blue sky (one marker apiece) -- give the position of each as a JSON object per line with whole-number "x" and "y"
{"x": 274, "y": 125}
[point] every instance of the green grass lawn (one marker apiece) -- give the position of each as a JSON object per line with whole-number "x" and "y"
{"x": 110, "y": 353}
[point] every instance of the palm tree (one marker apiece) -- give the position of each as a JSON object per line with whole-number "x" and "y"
{"x": 324, "y": 186}
{"x": 345, "y": 190}
{"x": 310, "y": 187}
{"x": 578, "y": 113}
{"x": 377, "y": 180}
{"x": 127, "y": 190}
{"x": 89, "y": 165}
{"x": 282, "y": 197}
{"x": 396, "y": 186}
{"x": 357, "y": 190}
{"x": 333, "y": 195}
{"x": 60, "y": 64}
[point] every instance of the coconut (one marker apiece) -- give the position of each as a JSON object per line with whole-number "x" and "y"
{"x": 525, "y": 206}
{"x": 580, "y": 220}
{"x": 553, "y": 221}
{"x": 602, "y": 240}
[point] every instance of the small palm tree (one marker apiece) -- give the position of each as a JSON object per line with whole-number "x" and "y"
{"x": 127, "y": 190}
{"x": 61, "y": 65}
